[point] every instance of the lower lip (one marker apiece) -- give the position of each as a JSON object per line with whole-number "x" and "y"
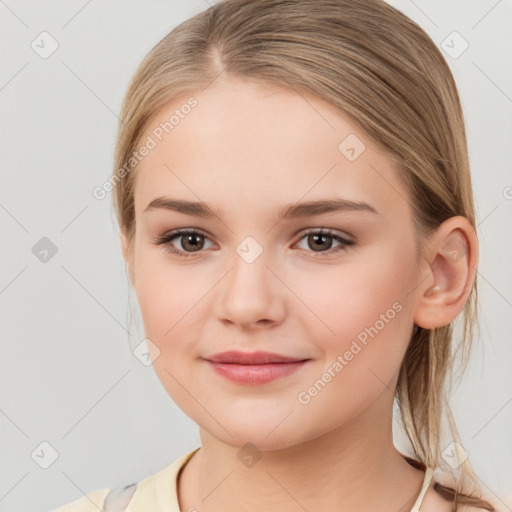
{"x": 254, "y": 374}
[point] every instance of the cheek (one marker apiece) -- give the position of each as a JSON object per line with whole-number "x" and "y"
{"x": 160, "y": 293}
{"x": 174, "y": 303}
{"x": 356, "y": 296}
{"x": 170, "y": 306}
{"x": 361, "y": 360}
{"x": 368, "y": 310}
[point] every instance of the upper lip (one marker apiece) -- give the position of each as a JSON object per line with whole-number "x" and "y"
{"x": 259, "y": 357}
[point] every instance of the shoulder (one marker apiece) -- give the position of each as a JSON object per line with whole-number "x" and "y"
{"x": 160, "y": 490}
{"x": 90, "y": 502}
{"x": 151, "y": 493}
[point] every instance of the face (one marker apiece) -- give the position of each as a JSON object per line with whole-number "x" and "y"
{"x": 332, "y": 288}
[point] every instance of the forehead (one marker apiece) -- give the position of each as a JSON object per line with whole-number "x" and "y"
{"x": 249, "y": 145}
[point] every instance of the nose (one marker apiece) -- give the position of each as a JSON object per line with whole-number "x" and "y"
{"x": 251, "y": 295}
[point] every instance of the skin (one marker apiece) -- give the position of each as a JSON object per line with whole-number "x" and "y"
{"x": 248, "y": 149}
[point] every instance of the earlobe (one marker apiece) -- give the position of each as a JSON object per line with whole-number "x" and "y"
{"x": 453, "y": 255}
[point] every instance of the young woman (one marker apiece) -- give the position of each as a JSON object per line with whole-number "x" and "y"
{"x": 294, "y": 196}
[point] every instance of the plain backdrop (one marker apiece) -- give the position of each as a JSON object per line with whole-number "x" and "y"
{"x": 78, "y": 411}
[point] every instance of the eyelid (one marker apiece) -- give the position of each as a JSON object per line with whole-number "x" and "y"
{"x": 171, "y": 235}
{"x": 343, "y": 239}
{"x": 327, "y": 231}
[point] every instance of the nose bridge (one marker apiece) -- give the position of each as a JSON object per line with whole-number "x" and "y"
{"x": 250, "y": 292}
{"x": 250, "y": 263}
{"x": 250, "y": 249}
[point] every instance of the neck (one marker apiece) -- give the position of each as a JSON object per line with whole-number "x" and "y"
{"x": 355, "y": 467}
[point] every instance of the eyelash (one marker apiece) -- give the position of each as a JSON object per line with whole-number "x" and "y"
{"x": 169, "y": 237}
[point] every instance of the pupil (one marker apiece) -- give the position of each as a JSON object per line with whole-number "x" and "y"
{"x": 319, "y": 238}
{"x": 189, "y": 239}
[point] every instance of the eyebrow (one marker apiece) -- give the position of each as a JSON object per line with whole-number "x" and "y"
{"x": 290, "y": 211}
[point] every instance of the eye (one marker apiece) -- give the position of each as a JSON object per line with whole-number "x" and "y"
{"x": 192, "y": 240}
{"x": 321, "y": 239}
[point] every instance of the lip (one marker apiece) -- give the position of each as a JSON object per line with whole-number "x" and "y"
{"x": 253, "y": 368}
{"x": 259, "y": 357}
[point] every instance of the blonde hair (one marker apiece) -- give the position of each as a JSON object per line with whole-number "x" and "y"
{"x": 381, "y": 70}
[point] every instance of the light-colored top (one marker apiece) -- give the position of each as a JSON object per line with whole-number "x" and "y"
{"x": 159, "y": 492}
{"x": 156, "y": 493}
{"x": 429, "y": 473}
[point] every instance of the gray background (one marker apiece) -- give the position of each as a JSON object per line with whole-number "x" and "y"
{"x": 68, "y": 325}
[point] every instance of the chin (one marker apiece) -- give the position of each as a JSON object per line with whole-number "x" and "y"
{"x": 246, "y": 440}
{"x": 264, "y": 434}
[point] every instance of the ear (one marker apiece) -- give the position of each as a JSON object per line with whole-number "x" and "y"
{"x": 452, "y": 260}
{"x": 127, "y": 251}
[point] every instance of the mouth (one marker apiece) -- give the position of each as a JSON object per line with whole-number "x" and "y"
{"x": 253, "y": 358}
{"x": 254, "y": 368}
